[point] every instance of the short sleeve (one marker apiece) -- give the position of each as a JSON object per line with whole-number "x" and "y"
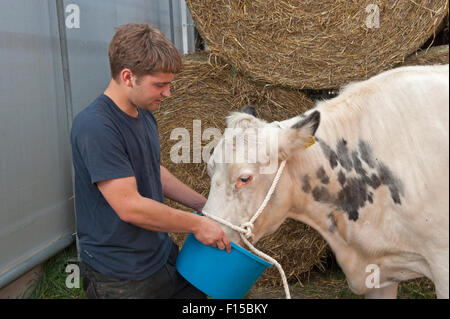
{"x": 103, "y": 152}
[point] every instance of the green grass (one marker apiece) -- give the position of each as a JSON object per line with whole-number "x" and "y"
{"x": 331, "y": 284}
{"x": 417, "y": 289}
{"x": 51, "y": 284}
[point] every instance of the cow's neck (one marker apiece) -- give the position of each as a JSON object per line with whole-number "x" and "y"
{"x": 324, "y": 177}
{"x": 314, "y": 194}
{"x": 312, "y": 204}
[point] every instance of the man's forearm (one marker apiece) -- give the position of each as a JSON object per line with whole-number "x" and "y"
{"x": 149, "y": 214}
{"x": 176, "y": 190}
{"x": 152, "y": 215}
{"x": 123, "y": 197}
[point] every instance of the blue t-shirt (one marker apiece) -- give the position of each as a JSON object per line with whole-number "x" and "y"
{"x": 107, "y": 143}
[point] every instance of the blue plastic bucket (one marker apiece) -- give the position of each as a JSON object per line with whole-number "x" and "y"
{"x": 219, "y": 274}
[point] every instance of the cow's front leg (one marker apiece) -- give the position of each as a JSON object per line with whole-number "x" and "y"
{"x": 388, "y": 292}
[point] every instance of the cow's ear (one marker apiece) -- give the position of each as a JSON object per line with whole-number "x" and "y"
{"x": 243, "y": 120}
{"x": 299, "y": 136}
{"x": 309, "y": 124}
{"x": 249, "y": 109}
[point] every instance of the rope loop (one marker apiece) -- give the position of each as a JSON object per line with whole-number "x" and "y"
{"x": 248, "y": 227}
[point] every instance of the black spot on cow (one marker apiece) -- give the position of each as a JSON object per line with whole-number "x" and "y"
{"x": 321, "y": 194}
{"x": 356, "y": 190}
{"x": 341, "y": 178}
{"x": 366, "y": 153}
{"x": 358, "y": 164}
{"x": 387, "y": 178}
{"x": 322, "y": 175}
{"x": 306, "y": 184}
{"x": 353, "y": 215}
{"x": 373, "y": 181}
{"x": 370, "y": 197}
{"x": 352, "y": 197}
{"x": 328, "y": 152}
{"x": 343, "y": 155}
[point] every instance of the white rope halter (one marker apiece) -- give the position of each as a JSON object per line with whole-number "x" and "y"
{"x": 245, "y": 229}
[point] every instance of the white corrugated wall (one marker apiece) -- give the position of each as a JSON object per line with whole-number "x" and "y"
{"x": 50, "y": 71}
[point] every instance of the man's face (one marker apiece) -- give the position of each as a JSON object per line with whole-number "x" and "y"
{"x": 149, "y": 90}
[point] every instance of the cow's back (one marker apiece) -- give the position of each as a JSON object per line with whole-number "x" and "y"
{"x": 413, "y": 138}
{"x": 403, "y": 116}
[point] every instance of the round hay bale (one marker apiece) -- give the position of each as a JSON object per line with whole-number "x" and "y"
{"x": 207, "y": 90}
{"x": 434, "y": 55}
{"x": 315, "y": 44}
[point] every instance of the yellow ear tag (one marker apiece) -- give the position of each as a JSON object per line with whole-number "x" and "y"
{"x": 311, "y": 142}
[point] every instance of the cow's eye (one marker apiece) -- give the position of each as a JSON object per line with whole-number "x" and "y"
{"x": 243, "y": 180}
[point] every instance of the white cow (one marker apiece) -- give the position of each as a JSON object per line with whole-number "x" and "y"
{"x": 375, "y": 184}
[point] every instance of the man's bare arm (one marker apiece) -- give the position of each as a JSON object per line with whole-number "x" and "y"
{"x": 124, "y": 198}
{"x": 176, "y": 190}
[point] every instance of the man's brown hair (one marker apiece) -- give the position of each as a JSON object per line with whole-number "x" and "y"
{"x": 142, "y": 49}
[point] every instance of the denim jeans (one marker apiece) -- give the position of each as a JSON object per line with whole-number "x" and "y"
{"x": 164, "y": 284}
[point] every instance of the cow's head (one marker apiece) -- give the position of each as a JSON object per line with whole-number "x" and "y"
{"x": 244, "y": 164}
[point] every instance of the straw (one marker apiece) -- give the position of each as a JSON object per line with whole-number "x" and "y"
{"x": 315, "y": 44}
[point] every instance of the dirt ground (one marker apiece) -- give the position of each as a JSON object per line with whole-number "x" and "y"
{"x": 332, "y": 285}
{"x": 317, "y": 286}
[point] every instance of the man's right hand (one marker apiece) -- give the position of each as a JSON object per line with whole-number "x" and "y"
{"x": 210, "y": 234}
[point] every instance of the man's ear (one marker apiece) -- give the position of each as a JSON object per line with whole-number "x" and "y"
{"x": 298, "y": 136}
{"x": 126, "y": 77}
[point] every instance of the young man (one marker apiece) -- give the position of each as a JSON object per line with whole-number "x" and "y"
{"x": 122, "y": 223}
